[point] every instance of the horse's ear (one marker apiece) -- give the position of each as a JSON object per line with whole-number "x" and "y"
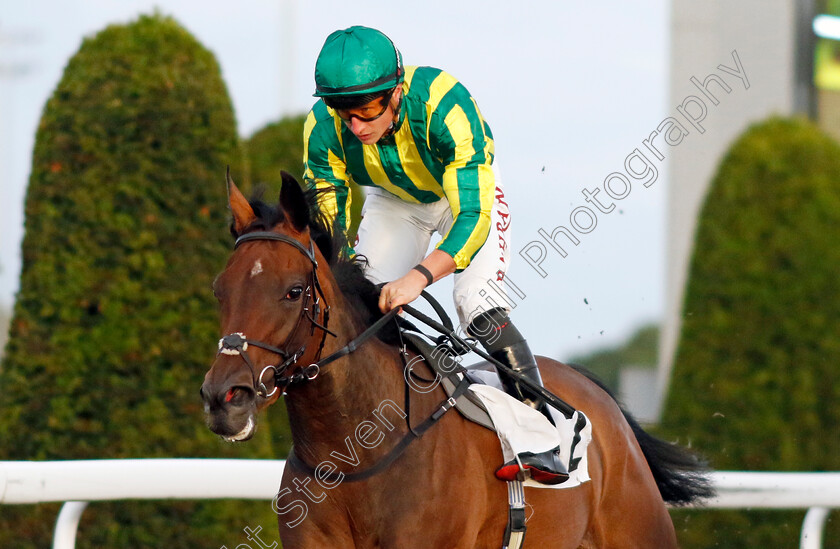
{"x": 293, "y": 202}
{"x": 243, "y": 214}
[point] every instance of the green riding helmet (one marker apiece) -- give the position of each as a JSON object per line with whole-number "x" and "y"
{"x": 355, "y": 61}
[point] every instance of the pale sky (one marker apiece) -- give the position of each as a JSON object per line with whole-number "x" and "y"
{"x": 569, "y": 90}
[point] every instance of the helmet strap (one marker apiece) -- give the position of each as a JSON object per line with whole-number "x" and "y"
{"x": 392, "y": 129}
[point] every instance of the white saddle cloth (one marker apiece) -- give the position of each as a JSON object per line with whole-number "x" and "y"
{"x": 522, "y": 429}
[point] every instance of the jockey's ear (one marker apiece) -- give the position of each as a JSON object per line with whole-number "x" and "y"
{"x": 293, "y": 202}
{"x": 395, "y": 98}
{"x": 243, "y": 214}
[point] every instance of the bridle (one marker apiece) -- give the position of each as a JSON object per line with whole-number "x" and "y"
{"x": 237, "y": 343}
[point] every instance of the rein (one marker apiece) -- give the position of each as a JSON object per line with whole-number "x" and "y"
{"x": 563, "y": 407}
{"x": 237, "y": 344}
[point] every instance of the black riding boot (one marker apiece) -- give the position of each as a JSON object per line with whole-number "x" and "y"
{"x": 497, "y": 334}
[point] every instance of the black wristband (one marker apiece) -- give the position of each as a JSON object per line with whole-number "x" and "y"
{"x": 425, "y": 272}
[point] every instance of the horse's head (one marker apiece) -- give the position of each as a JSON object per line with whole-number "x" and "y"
{"x": 272, "y": 310}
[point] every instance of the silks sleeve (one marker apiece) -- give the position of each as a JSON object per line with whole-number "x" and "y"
{"x": 463, "y": 142}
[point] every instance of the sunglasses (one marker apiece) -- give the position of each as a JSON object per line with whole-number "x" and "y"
{"x": 366, "y": 113}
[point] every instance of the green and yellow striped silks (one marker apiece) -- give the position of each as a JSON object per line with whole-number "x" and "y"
{"x": 442, "y": 148}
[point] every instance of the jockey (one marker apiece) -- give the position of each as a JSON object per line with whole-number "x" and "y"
{"x": 414, "y": 137}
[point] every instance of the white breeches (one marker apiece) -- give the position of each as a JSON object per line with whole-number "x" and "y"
{"x": 394, "y": 235}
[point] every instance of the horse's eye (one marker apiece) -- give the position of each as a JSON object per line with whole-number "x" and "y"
{"x": 295, "y": 293}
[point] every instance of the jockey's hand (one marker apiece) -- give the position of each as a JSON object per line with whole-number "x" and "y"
{"x": 401, "y": 291}
{"x": 408, "y": 288}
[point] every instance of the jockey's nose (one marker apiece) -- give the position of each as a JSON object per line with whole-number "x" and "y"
{"x": 358, "y": 127}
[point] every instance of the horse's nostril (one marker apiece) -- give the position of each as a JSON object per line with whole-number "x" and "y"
{"x": 238, "y": 396}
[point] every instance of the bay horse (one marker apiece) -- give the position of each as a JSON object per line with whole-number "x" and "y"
{"x": 287, "y": 300}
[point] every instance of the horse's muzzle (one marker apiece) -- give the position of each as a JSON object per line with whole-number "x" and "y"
{"x": 230, "y": 412}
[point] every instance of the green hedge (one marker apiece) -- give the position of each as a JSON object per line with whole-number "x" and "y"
{"x": 275, "y": 147}
{"x": 756, "y": 379}
{"x": 114, "y": 324}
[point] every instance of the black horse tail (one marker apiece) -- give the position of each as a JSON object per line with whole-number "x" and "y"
{"x": 681, "y": 475}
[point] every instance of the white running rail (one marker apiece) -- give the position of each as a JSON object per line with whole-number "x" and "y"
{"x": 79, "y": 482}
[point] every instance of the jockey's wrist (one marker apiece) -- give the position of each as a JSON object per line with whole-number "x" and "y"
{"x": 425, "y": 272}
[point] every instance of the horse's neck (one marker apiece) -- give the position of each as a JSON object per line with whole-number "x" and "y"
{"x": 348, "y": 392}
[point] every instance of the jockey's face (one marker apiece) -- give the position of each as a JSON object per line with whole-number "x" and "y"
{"x": 370, "y": 122}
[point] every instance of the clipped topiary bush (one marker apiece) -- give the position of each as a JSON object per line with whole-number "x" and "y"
{"x": 275, "y": 147}
{"x": 115, "y": 323}
{"x": 756, "y": 379}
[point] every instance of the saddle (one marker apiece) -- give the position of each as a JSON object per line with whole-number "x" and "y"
{"x": 445, "y": 363}
{"x": 477, "y": 395}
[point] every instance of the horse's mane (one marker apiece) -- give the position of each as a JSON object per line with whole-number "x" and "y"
{"x": 331, "y": 240}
